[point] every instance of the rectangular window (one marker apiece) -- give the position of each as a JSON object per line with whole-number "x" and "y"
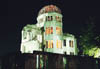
{"x": 58, "y": 30}
{"x": 51, "y": 30}
{"x": 47, "y": 30}
{"x": 71, "y": 43}
{"x": 59, "y": 44}
{"x": 65, "y": 53}
{"x": 49, "y": 18}
{"x": 64, "y": 43}
{"x": 51, "y": 43}
{"x": 46, "y": 44}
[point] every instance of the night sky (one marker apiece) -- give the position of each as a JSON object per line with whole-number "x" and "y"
{"x": 14, "y": 15}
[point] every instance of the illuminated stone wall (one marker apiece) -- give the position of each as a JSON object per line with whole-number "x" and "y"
{"x": 69, "y": 44}
{"x": 53, "y": 32}
{"x": 31, "y": 39}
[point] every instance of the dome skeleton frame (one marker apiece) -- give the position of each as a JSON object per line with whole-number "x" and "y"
{"x": 48, "y": 9}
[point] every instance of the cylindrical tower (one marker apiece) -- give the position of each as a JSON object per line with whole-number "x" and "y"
{"x": 50, "y": 18}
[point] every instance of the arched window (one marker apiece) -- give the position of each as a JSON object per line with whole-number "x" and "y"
{"x": 49, "y": 18}
{"x": 58, "y": 19}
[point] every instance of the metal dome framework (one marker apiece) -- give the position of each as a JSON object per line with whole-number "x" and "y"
{"x": 49, "y": 8}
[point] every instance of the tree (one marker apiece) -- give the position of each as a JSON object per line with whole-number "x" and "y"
{"x": 86, "y": 39}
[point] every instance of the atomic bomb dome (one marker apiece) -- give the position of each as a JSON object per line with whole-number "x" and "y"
{"x": 47, "y": 35}
{"x": 49, "y": 8}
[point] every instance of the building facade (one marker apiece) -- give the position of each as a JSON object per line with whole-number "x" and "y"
{"x": 47, "y": 34}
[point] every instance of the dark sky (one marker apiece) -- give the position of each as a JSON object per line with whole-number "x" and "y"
{"x": 14, "y": 15}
